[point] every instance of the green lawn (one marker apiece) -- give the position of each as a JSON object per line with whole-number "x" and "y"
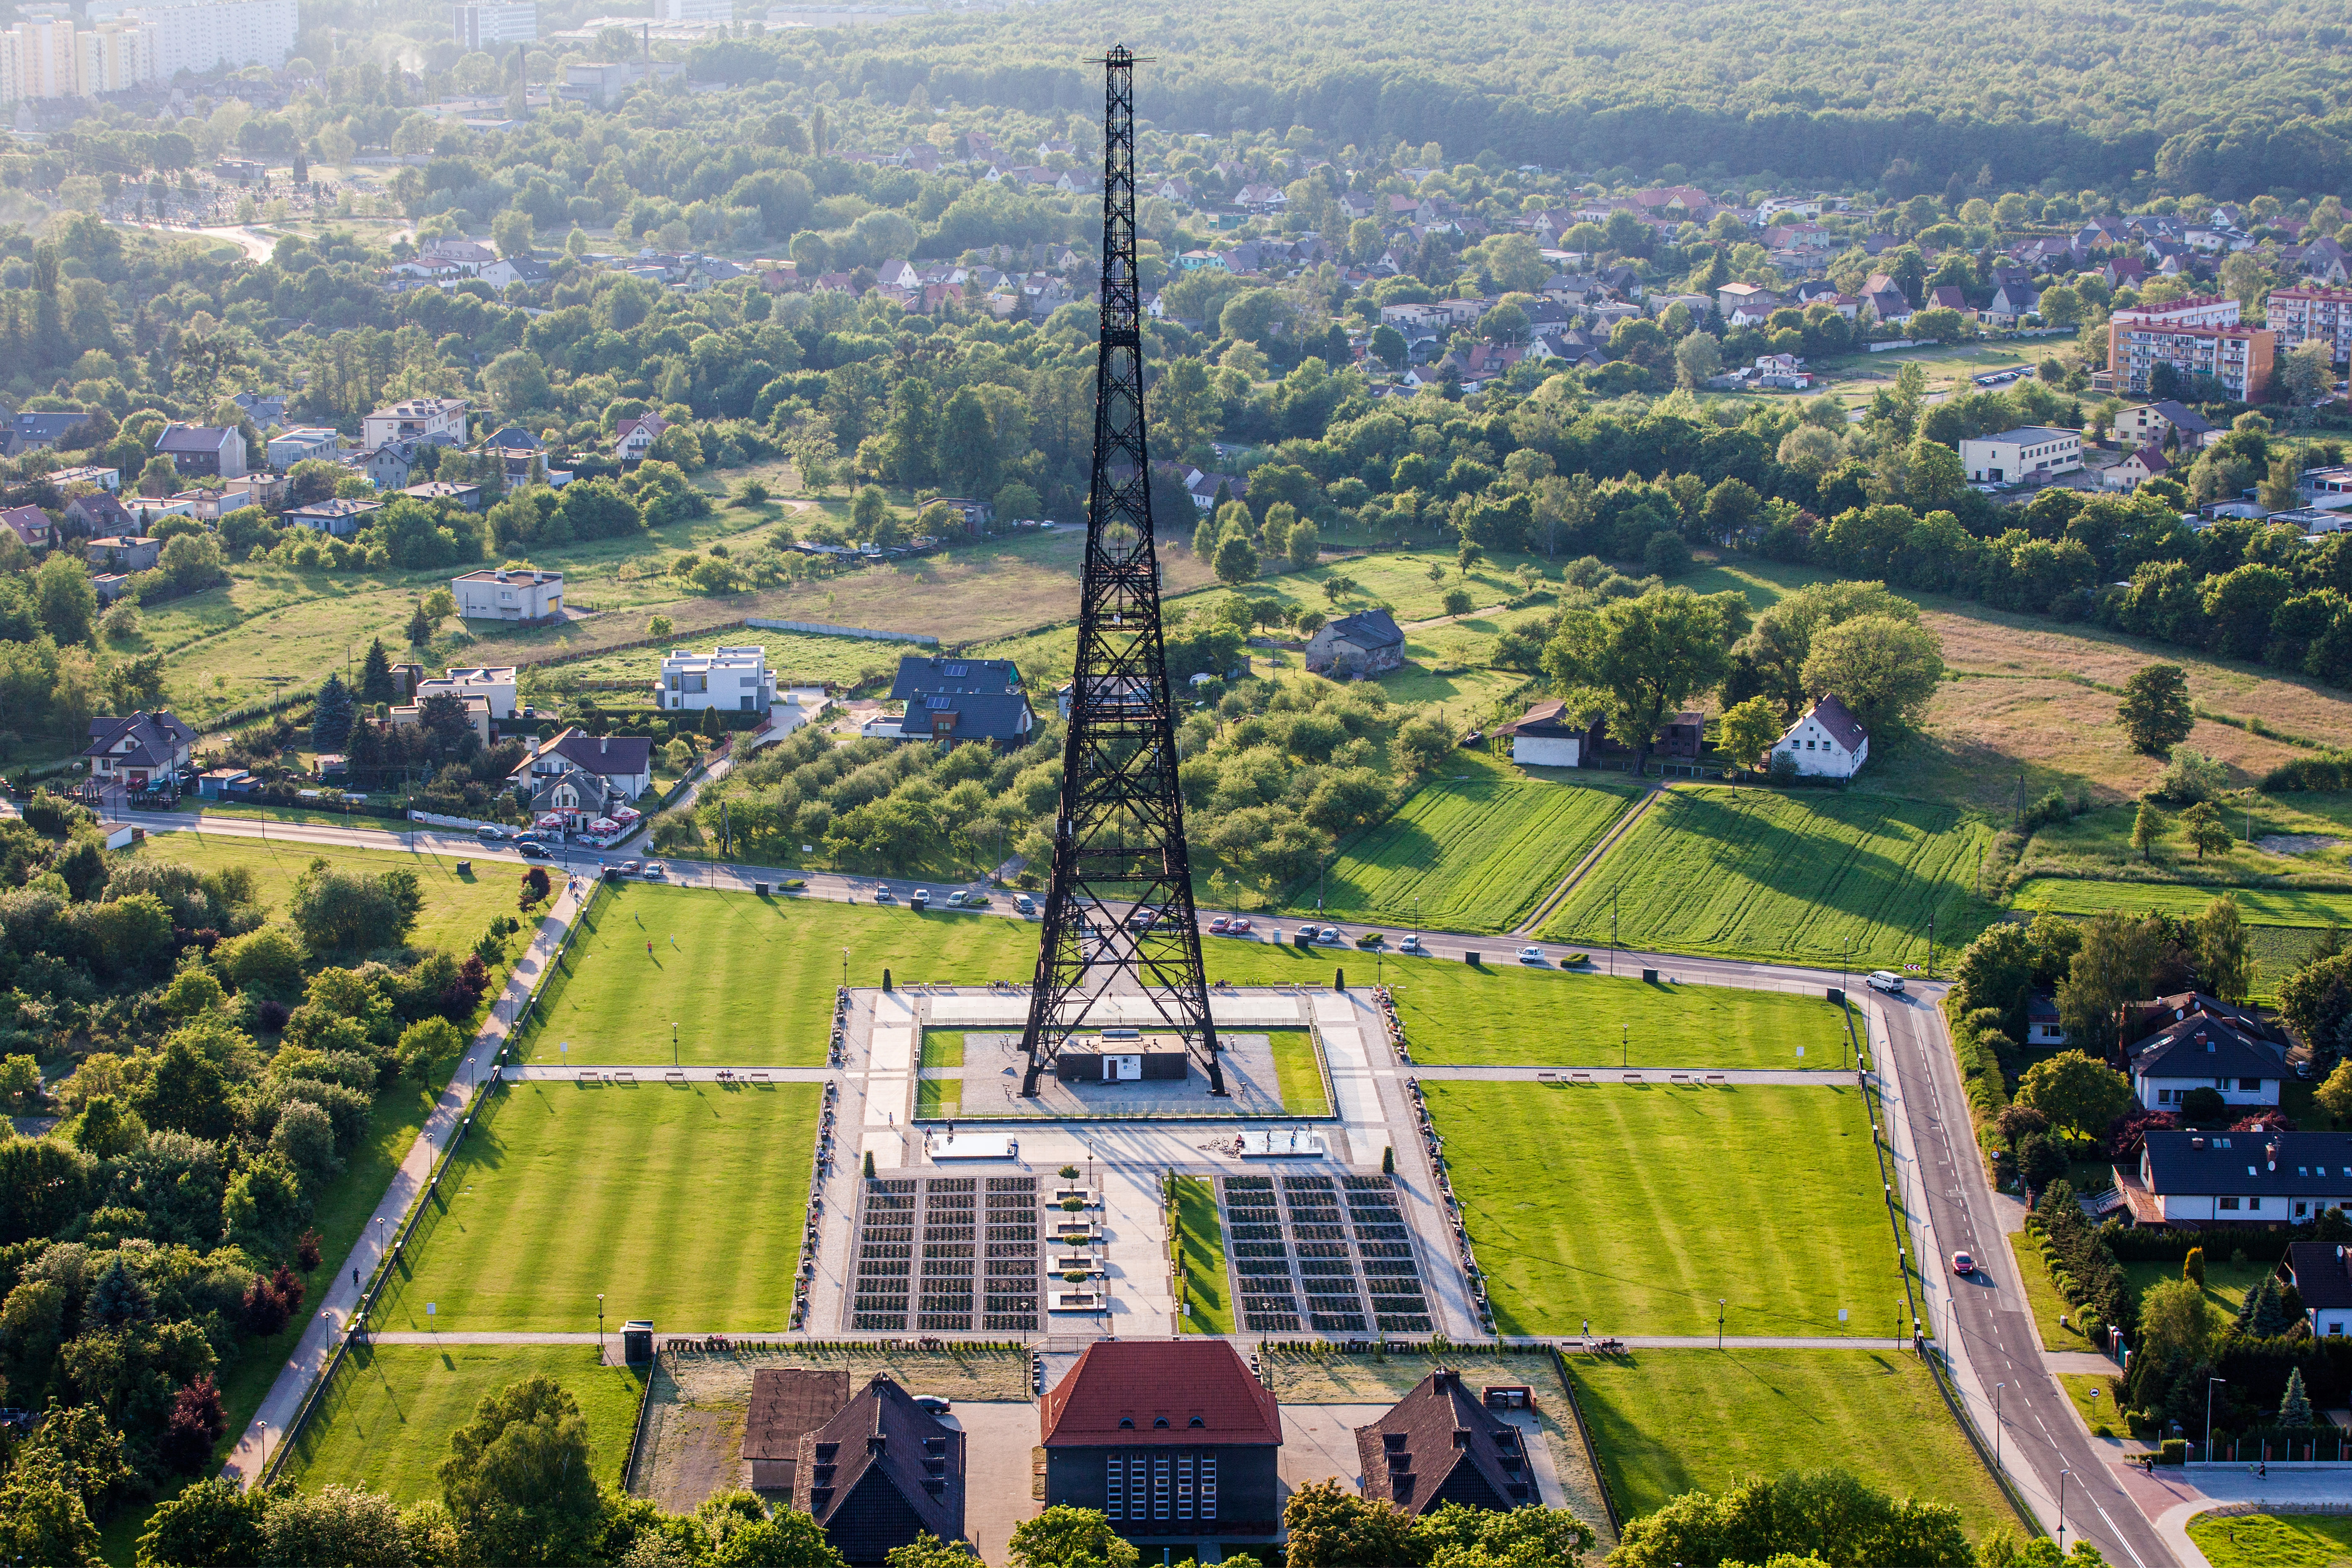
{"x": 456, "y": 907}
{"x": 562, "y": 1191}
{"x": 1297, "y": 1073}
{"x": 2226, "y": 1283}
{"x": 2272, "y": 1541}
{"x": 1668, "y": 1422}
{"x": 798, "y": 658}
{"x": 1202, "y": 1237}
{"x": 1806, "y": 876}
{"x": 748, "y": 981}
{"x": 1638, "y": 1208}
{"x": 2265, "y": 905}
{"x": 385, "y": 1421}
{"x": 2098, "y": 1415}
{"x": 1502, "y": 1013}
{"x": 1473, "y": 851}
{"x": 942, "y": 1048}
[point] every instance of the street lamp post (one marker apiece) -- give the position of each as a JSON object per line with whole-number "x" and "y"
{"x": 673, "y": 1043}
{"x": 844, "y": 969}
{"x": 1718, "y": 1322}
{"x": 1996, "y": 1426}
{"x": 1624, "y": 1044}
{"x": 2062, "y": 1511}
{"x": 2209, "y": 1415}
{"x": 600, "y": 1328}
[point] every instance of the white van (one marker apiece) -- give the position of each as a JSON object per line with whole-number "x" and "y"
{"x": 1885, "y": 980}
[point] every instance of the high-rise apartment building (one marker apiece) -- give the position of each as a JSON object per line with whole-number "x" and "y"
{"x": 487, "y": 28}
{"x": 2309, "y": 311}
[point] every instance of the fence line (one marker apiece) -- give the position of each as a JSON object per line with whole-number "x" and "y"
{"x": 820, "y": 628}
{"x": 1592, "y": 1450}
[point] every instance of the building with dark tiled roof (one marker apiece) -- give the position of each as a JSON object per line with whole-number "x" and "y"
{"x": 2236, "y": 1178}
{"x": 2192, "y": 1041}
{"x": 880, "y": 1473}
{"x": 1172, "y": 1440}
{"x": 137, "y": 750}
{"x": 1829, "y": 742}
{"x": 1367, "y": 643}
{"x": 787, "y": 1403}
{"x": 2320, "y": 1274}
{"x": 1440, "y": 1444}
{"x": 952, "y": 700}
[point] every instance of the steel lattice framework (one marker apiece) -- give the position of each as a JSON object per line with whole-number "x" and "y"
{"x": 1119, "y": 915}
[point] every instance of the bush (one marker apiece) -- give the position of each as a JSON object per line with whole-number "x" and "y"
{"x": 2175, "y": 1451}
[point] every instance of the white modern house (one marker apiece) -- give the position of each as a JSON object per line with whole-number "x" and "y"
{"x": 2202, "y": 1043}
{"x": 2027, "y": 452}
{"x": 440, "y": 421}
{"x": 1829, "y": 742}
{"x": 495, "y": 684}
{"x": 289, "y": 448}
{"x": 736, "y": 679}
{"x": 493, "y": 595}
{"x": 2237, "y": 1178}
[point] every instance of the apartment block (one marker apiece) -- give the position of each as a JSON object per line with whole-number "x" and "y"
{"x": 2300, "y": 315}
{"x": 2239, "y": 357}
{"x": 487, "y": 28}
{"x": 208, "y": 37}
{"x": 2196, "y": 311}
{"x": 38, "y": 59}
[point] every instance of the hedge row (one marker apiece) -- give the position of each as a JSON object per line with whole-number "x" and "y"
{"x": 2082, "y": 1264}
{"x": 1979, "y": 1071}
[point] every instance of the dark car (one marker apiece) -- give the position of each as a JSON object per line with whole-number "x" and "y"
{"x": 533, "y": 849}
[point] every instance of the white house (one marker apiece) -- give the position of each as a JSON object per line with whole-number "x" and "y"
{"x": 2202, "y": 1043}
{"x": 499, "y": 595}
{"x": 2147, "y": 462}
{"x": 2043, "y": 1027}
{"x": 624, "y": 762}
{"x": 289, "y": 448}
{"x": 136, "y": 749}
{"x": 734, "y": 679}
{"x": 495, "y": 684}
{"x": 2028, "y": 451}
{"x": 1829, "y": 742}
{"x": 2237, "y": 1178}
{"x": 440, "y": 421}
{"x": 632, "y": 438}
{"x": 1545, "y": 736}
{"x": 2322, "y": 1275}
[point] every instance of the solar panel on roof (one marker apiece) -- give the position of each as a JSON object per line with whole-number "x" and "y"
{"x": 938, "y": 701}
{"x": 959, "y": 669}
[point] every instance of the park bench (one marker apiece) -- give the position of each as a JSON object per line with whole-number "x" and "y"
{"x": 588, "y": 1077}
{"x": 757, "y": 1076}
{"x": 1632, "y": 1077}
{"x": 1547, "y": 1077}
{"x": 1716, "y": 1078}
{"x": 624, "y": 1078}
{"x": 674, "y": 1076}
{"x": 1580, "y": 1078}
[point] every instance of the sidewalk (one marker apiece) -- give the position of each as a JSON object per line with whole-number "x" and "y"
{"x": 317, "y": 1345}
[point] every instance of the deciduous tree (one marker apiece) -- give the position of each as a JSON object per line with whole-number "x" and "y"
{"x": 2155, "y": 711}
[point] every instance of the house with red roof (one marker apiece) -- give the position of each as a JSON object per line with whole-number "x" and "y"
{"x": 1172, "y": 1440}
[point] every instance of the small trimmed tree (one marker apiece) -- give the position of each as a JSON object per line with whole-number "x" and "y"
{"x": 2192, "y": 1268}
{"x": 2295, "y": 1409}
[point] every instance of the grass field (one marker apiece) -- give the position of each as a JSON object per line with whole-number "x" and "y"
{"x": 1470, "y": 851}
{"x": 1668, "y": 1422}
{"x": 456, "y": 907}
{"x": 2272, "y": 1541}
{"x": 942, "y": 1048}
{"x": 1766, "y": 1198}
{"x": 798, "y": 658}
{"x": 561, "y": 1191}
{"x": 1201, "y": 1235}
{"x": 2098, "y": 1415}
{"x": 1804, "y": 875}
{"x": 386, "y": 1420}
{"x": 749, "y": 981}
{"x": 1297, "y": 1073}
{"x": 1501, "y": 1015}
{"x": 2264, "y": 906}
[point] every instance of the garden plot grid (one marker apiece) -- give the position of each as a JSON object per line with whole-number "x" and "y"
{"x": 1329, "y": 1255}
{"x": 960, "y": 1254}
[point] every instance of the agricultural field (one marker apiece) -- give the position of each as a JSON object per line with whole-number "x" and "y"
{"x": 1669, "y": 1421}
{"x": 2297, "y": 841}
{"x": 385, "y": 1422}
{"x": 2272, "y": 1541}
{"x": 1637, "y": 1245}
{"x": 797, "y": 659}
{"x": 1502, "y": 1015}
{"x": 1200, "y": 1239}
{"x": 562, "y": 1191}
{"x": 749, "y": 982}
{"x": 457, "y": 906}
{"x": 2262, "y": 906}
{"x": 1810, "y": 876}
{"x": 1474, "y": 850}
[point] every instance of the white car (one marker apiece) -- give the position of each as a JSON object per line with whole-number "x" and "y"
{"x": 1531, "y": 955}
{"x": 1410, "y": 945}
{"x": 1025, "y": 903}
{"x": 1885, "y": 980}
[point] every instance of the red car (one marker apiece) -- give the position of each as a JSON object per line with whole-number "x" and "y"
{"x": 1963, "y": 1265}
{"x": 1219, "y": 926}
{"x": 1238, "y": 928}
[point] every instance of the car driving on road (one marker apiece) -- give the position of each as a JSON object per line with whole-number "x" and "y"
{"x": 1531, "y": 955}
{"x": 1885, "y": 980}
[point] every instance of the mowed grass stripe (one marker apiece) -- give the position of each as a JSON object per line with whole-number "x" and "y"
{"x": 1504, "y": 1014}
{"x": 749, "y": 981}
{"x": 1473, "y": 853}
{"x": 682, "y": 1204}
{"x": 1638, "y": 1208}
{"x": 2259, "y": 905}
{"x": 1754, "y": 873}
{"x": 1668, "y": 1422}
{"x": 387, "y": 1417}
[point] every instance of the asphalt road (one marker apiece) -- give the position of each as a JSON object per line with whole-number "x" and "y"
{"x": 1987, "y": 1320}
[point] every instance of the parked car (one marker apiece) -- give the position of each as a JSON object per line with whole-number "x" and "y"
{"x": 1333, "y": 937}
{"x": 1025, "y": 903}
{"x": 1885, "y": 980}
{"x": 488, "y": 830}
{"x": 885, "y": 896}
{"x": 630, "y": 867}
{"x": 1531, "y": 955}
{"x": 1309, "y": 934}
{"x": 1242, "y": 928}
{"x": 1219, "y": 926}
{"x": 653, "y": 869}
{"x": 920, "y": 898}
{"x": 1963, "y": 1265}
{"x": 955, "y": 898}
{"x": 533, "y": 849}
{"x": 932, "y": 1403}
{"x": 1411, "y": 945}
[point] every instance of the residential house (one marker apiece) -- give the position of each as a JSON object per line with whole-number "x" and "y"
{"x": 2318, "y": 1272}
{"x": 1828, "y": 741}
{"x": 337, "y": 516}
{"x": 2158, "y": 421}
{"x": 439, "y": 421}
{"x": 573, "y": 790}
{"x": 2236, "y": 1178}
{"x": 1171, "y": 1439}
{"x": 1548, "y": 736}
{"x": 1440, "y": 1444}
{"x": 466, "y": 497}
{"x": 1757, "y": 302}
{"x": 2124, "y": 272}
{"x": 387, "y": 467}
{"x": 1367, "y": 643}
{"x": 2194, "y": 1041}
{"x": 264, "y": 409}
{"x": 2043, "y": 1027}
{"x": 624, "y": 762}
{"x": 141, "y": 749}
{"x": 732, "y": 680}
{"x": 39, "y": 432}
{"x": 95, "y": 513}
{"x": 261, "y": 489}
{"x": 2147, "y": 462}
{"x": 1886, "y": 305}
{"x": 108, "y": 480}
{"x": 527, "y": 270}
{"x": 31, "y": 526}
{"x": 494, "y": 684}
{"x": 787, "y": 1404}
{"x": 202, "y": 449}
{"x": 2013, "y": 299}
{"x": 476, "y": 709}
{"x": 882, "y": 1473}
{"x": 2030, "y": 451}
{"x": 634, "y": 439}
{"x": 526, "y": 597}
{"x": 470, "y": 256}
{"x": 125, "y": 553}
{"x": 951, "y": 700}
{"x": 302, "y": 444}
{"x": 1948, "y": 297}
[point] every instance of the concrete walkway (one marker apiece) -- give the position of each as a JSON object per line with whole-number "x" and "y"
{"x": 342, "y": 1295}
{"x": 1662, "y": 1078}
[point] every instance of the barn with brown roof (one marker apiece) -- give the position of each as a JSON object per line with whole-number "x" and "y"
{"x": 787, "y": 1403}
{"x": 1441, "y": 1444}
{"x": 1172, "y": 1439}
{"x": 881, "y": 1472}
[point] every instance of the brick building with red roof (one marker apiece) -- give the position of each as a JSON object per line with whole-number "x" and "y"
{"x": 1172, "y": 1439}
